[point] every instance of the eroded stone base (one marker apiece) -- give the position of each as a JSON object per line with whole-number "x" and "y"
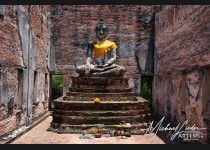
{"x": 76, "y": 111}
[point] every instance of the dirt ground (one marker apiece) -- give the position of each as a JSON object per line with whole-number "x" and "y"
{"x": 40, "y": 135}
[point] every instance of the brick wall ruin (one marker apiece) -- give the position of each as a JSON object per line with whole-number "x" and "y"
{"x": 24, "y": 46}
{"x": 182, "y": 73}
{"x": 131, "y": 27}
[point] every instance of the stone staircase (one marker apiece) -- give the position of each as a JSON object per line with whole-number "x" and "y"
{"x": 76, "y": 111}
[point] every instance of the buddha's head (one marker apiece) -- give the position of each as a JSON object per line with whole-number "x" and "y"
{"x": 101, "y": 30}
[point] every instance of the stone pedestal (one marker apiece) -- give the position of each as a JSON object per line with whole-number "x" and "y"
{"x": 76, "y": 111}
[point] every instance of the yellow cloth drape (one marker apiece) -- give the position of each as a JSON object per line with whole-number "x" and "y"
{"x": 102, "y": 48}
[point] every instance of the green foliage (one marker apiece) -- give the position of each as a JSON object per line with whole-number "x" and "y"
{"x": 146, "y": 89}
{"x": 57, "y": 81}
{"x": 57, "y": 86}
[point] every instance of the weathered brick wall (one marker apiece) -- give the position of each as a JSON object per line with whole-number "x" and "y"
{"x": 24, "y": 45}
{"x": 182, "y": 72}
{"x": 131, "y": 27}
{"x": 40, "y": 27}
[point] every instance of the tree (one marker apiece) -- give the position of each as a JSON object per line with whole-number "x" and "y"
{"x": 57, "y": 86}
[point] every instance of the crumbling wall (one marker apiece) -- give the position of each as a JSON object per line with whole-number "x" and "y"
{"x": 24, "y": 46}
{"x": 182, "y": 68}
{"x": 131, "y": 27}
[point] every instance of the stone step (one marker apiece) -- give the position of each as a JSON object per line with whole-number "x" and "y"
{"x": 90, "y": 99}
{"x": 98, "y": 81}
{"x": 102, "y": 87}
{"x": 103, "y": 105}
{"x": 101, "y": 113}
{"x": 76, "y": 120}
{"x": 100, "y": 90}
{"x": 136, "y": 129}
{"x": 68, "y": 116}
{"x": 82, "y": 94}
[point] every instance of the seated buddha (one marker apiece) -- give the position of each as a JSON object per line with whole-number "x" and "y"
{"x": 101, "y": 56}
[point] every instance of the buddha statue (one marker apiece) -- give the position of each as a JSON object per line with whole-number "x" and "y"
{"x": 101, "y": 56}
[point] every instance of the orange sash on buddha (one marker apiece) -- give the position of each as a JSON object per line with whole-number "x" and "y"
{"x": 102, "y": 48}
